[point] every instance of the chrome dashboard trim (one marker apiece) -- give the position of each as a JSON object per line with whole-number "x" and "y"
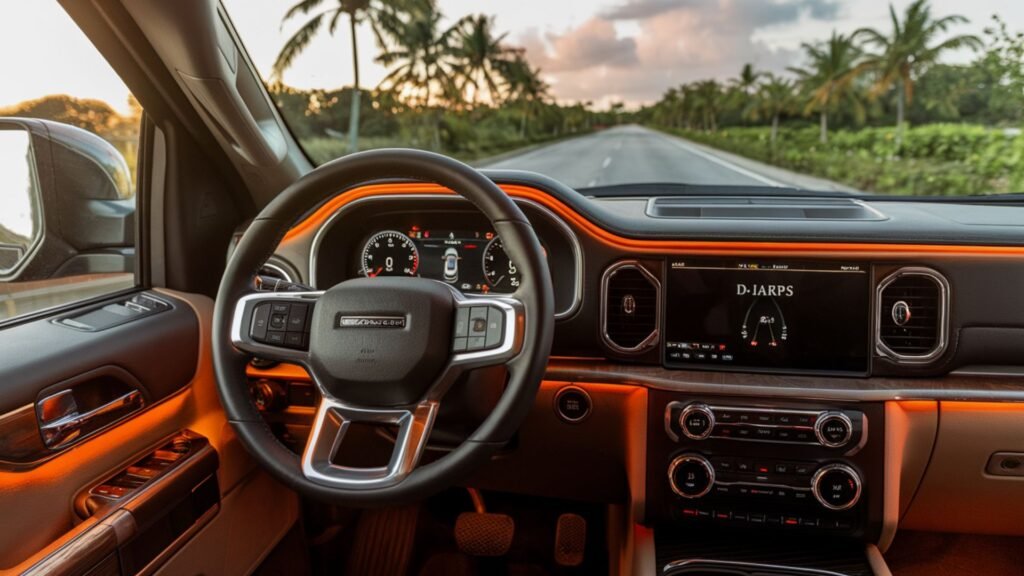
{"x": 943, "y": 309}
{"x": 652, "y": 339}
{"x": 558, "y": 222}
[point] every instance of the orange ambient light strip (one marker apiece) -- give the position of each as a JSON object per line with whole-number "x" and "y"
{"x": 647, "y": 246}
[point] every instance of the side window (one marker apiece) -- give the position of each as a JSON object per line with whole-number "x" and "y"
{"x": 69, "y": 133}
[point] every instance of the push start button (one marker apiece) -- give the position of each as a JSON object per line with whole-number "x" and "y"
{"x": 572, "y": 404}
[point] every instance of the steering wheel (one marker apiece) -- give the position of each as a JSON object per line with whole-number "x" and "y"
{"x": 382, "y": 351}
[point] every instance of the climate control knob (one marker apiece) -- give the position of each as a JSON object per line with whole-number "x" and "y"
{"x": 836, "y": 486}
{"x": 691, "y": 475}
{"x": 833, "y": 429}
{"x": 696, "y": 421}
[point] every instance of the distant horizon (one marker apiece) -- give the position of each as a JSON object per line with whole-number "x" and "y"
{"x": 630, "y": 51}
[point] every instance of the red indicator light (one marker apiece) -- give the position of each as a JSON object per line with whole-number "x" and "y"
{"x": 791, "y": 522}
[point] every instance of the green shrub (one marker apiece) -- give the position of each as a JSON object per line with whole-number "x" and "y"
{"x": 934, "y": 160}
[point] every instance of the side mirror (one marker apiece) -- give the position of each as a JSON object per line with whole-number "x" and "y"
{"x": 21, "y": 225}
{"x": 78, "y": 205}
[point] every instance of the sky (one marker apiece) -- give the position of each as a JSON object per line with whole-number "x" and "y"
{"x": 598, "y": 50}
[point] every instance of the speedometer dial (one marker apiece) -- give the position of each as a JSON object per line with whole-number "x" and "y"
{"x": 390, "y": 253}
{"x": 501, "y": 273}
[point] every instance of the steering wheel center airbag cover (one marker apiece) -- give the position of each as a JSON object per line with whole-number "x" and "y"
{"x": 382, "y": 341}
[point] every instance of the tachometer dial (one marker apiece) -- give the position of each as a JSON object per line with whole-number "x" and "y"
{"x": 501, "y": 273}
{"x": 390, "y": 253}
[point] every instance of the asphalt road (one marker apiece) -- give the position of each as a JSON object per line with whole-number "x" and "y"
{"x": 634, "y": 154}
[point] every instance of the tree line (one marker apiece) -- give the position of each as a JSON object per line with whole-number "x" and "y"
{"x": 868, "y": 77}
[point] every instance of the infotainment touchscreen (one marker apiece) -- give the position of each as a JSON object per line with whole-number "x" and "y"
{"x": 767, "y": 315}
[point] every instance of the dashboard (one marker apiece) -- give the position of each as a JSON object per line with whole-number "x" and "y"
{"x": 670, "y": 293}
{"x": 778, "y": 370}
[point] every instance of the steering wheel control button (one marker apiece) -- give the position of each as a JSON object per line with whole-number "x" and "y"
{"x": 278, "y": 321}
{"x": 691, "y": 476}
{"x": 696, "y": 421}
{"x": 836, "y": 486}
{"x": 572, "y": 404}
{"x": 833, "y": 429}
{"x": 478, "y": 328}
{"x": 462, "y": 322}
{"x": 495, "y": 327}
{"x": 295, "y": 340}
{"x": 297, "y": 317}
{"x": 260, "y": 319}
{"x": 281, "y": 323}
{"x": 477, "y": 321}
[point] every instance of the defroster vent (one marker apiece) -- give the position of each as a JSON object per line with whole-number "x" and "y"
{"x": 630, "y": 307}
{"x": 912, "y": 315}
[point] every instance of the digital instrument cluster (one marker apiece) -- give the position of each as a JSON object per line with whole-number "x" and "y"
{"x": 472, "y": 260}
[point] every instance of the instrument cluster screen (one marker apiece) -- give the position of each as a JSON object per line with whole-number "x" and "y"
{"x": 471, "y": 260}
{"x": 768, "y": 316}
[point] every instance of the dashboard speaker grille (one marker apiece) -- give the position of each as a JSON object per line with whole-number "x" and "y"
{"x": 912, "y": 315}
{"x": 630, "y": 307}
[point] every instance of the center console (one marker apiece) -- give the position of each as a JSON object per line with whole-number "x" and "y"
{"x": 771, "y": 468}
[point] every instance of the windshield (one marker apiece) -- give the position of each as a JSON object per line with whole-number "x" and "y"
{"x": 905, "y": 98}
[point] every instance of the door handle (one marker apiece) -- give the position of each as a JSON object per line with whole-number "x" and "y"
{"x": 61, "y": 422}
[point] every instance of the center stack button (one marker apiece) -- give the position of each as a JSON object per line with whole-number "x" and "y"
{"x": 697, "y": 421}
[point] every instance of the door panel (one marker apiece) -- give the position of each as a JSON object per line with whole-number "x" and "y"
{"x": 38, "y": 501}
{"x": 159, "y": 351}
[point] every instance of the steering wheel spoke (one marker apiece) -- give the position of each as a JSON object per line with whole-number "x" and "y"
{"x": 334, "y": 420}
{"x": 274, "y": 325}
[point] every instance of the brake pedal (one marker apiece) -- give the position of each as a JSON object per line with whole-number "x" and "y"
{"x": 570, "y": 540}
{"x": 484, "y": 534}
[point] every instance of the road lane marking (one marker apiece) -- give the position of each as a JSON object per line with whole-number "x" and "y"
{"x": 607, "y": 161}
{"x": 725, "y": 163}
{"x": 592, "y": 183}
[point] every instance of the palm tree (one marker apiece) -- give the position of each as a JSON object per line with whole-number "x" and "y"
{"x": 828, "y": 79}
{"x": 775, "y": 97}
{"x": 524, "y": 85}
{"x": 481, "y": 56}
{"x": 707, "y": 95}
{"x": 419, "y": 55}
{"x": 911, "y": 47}
{"x": 354, "y": 10}
{"x": 747, "y": 81}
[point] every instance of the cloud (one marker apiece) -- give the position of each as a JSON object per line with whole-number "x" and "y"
{"x": 594, "y": 43}
{"x": 675, "y": 41}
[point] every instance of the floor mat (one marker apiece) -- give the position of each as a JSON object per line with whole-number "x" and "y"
{"x": 533, "y": 546}
{"x": 383, "y": 542}
{"x": 934, "y": 554}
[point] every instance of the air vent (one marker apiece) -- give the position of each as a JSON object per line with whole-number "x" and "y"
{"x": 630, "y": 307}
{"x": 912, "y": 315}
